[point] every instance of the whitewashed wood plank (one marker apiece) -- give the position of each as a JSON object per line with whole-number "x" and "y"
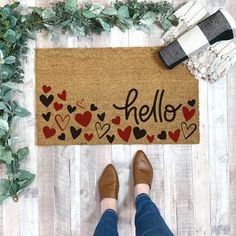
{"x": 201, "y": 185}
{"x": 231, "y": 91}
{"x": 62, "y": 209}
{"x": 218, "y": 155}
{"x": 156, "y": 154}
{"x": 45, "y": 163}
{"x": 11, "y": 216}
{"x": 170, "y": 188}
{"x": 218, "y": 150}
{"x": 75, "y": 191}
{"x": 183, "y": 182}
{"x": 232, "y": 148}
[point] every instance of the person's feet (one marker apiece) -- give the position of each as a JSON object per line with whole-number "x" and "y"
{"x": 109, "y": 188}
{"x": 142, "y": 173}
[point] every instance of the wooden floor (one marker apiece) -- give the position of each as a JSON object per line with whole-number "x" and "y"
{"x": 194, "y": 185}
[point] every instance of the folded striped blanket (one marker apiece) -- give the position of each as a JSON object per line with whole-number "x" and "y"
{"x": 200, "y": 41}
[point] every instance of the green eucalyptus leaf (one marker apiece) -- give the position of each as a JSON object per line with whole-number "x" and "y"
{"x": 30, "y": 34}
{"x": 65, "y": 23}
{"x": 4, "y": 186}
{"x": 2, "y": 198}
{"x": 14, "y": 188}
{"x": 71, "y": 6}
{"x": 111, "y": 11}
{"x": 104, "y": 25}
{"x": 10, "y": 35}
{"x": 149, "y": 18}
{"x": 9, "y": 84}
{"x": 21, "y": 111}
{"x": 165, "y": 24}
{"x": 125, "y": 24}
{"x": 48, "y": 14}
{"x": 24, "y": 174}
{"x": 25, "y": 178}
{"x": 123, "y": 12}
{"x": 12, "y": 141}
{"x": 10, "y": 60}
{"x": 6, "y": 11}
{"x": 26, "y": 182}
{"x": 6, "y": 155}
{"x": 7, "y": 69}
{"x": 3, "y": 75}
{"x": 22, "y": 153}
{"x": 96, "y": 8}
{"x": 2, "y": 106}
{"x": 37, "y": 10}
{"x": 13, "y": 21}
{"x": 174, "y": 20}
{"x": 4, "y": 124}
{"x": 77, "y": 31}
{"x": 2, "y": 133}
{"x": 144, "y": 28}
{"x": 89, "y": 14}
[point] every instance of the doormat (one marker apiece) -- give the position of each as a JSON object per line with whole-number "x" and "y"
{"x": 113, "y": 96}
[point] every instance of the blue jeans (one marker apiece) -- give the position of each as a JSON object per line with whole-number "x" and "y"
{"x": 148, "y": 221}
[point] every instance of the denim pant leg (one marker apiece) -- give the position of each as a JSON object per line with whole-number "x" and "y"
{"x": 107, "y": 225}
{"x": 148, "y": 220}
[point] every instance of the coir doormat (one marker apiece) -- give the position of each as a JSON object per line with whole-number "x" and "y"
{"x": 113, "y": 96}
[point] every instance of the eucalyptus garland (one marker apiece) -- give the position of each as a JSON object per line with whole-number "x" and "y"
{"x": 17, "y": 28}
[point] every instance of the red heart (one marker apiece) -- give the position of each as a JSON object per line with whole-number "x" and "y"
{"x": 116, "y": 120}
{"x": 84, "y": 119}
{"x": 174, "y": 136}
{"x": 188, "y": 114}
{"x": 48, "y": 132}
{"x": 62, "y": 122}
{"x": 62, "y": 95}
{"x": 57, "y": 106}
{"x": 150, "y": 138}
{"x": 88, "y": 137}
{"x": 46, "y": 88}
{"x": 125, "y": 134}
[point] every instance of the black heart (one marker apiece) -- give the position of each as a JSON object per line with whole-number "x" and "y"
{"x": 101, "y": 116}
{"x": 102, "y": 129}
{"x": 62, "y": 136}
{"x": 93, "y": 107}
{"x": 75, "y": 133}
{"x": 188, "y": 130}
{"x": 191, "y": 102}
{"x": 110, "y": 138}
{"x": 162, "y": 135}
{"x": 71, "y": 108}
{"x": 46, "y": 100}
{"x": 46, "y": 116}
{"x": 139, "y": 133}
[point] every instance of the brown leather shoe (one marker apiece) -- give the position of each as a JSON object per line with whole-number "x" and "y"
{"x": 142, "y": 169}
{"x": 109, "y": 183}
